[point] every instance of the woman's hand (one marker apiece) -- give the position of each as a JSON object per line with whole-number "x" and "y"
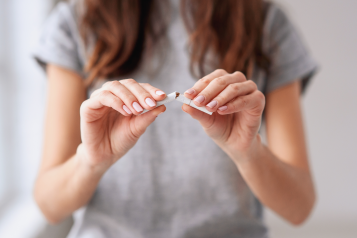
{"x": 109, "y": 128}
{"x": 238, "y": 107}
{"x": 280, "y": 178}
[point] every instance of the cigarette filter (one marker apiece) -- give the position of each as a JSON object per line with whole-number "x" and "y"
{"x": 169, "y": 98}
{"x": 189, "y": 102}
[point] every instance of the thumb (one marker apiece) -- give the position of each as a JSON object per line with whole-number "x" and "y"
{"x": 141, "y": 122}
{"x": 204, "y": 119}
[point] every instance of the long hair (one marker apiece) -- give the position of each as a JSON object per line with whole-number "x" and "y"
{"x": 230, "y": 31}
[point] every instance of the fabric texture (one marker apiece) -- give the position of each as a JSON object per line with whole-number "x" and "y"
{"x": 175, "y": 182}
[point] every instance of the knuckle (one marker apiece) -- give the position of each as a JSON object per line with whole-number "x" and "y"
{"x": 104, "y": 93}
{"x": 239, "y": 75}
{"x": 83, "y": 106}
{"x": 94, "y": 93}
{"x": 259, "y": 100}
{"x": 145, "y": 84}
{"x": 114, "y": 83}
{"x": 205, "y": 80}
{"x": 252, "y": 84}
{"x": 107, "y": 84}
{"x": 128, "y": 81}
{"x": 107, "y": 96}
{"x": 111, "y": 84}
{"x": 260, "y": 95}
{"x": 220, "y": 81}
{"x": 235, "y": 87}
{"x": 220, "y": 71}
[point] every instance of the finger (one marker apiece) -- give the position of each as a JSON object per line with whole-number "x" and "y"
{"x": 230, "y": 92}
{"x": 144, "y": 97}
{"x": 156, "y": 93}
{"x": 129, "y": 99}
{"x": 203, "y": 82}
{"x": 202, "y": 117}
{"x": 254, "y": 102}
{"x": 96, "y": 92}
{"x": 103, "y": 99}
{"x": 216, "y": 86}
{"x": 143, "y": 121}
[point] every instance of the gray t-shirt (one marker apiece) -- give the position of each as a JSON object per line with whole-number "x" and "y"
{"x": 175, "y": 182}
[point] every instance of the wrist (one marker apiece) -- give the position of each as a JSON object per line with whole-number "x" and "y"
{"x": 247, "y": 154}
{"x": 95, "y": 170}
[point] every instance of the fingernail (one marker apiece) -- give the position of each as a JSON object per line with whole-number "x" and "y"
{"x": 223, "y": 108}
{"x": 150, "y": 102}
{"x": 159, "y": 93}
{"x": 137, "y": 107}
{"x": 212, "y": 104}
{"x": 190, "y": 91}
{"x": 159, "y": 114}
{"x": 127, "y": 109}
{"x": 200, "y": 99}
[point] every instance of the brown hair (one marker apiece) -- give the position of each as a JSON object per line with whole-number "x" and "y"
{"x": 230, "y": 29}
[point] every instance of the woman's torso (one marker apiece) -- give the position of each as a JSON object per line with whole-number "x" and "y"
{"x": 175, "y": 182}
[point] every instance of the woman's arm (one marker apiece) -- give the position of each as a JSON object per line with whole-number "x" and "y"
{"x": 279, "y": 175}
{"x": 71, "y": 168}
{"x": 59, "y": 187}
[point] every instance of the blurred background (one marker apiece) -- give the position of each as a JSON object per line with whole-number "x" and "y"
{"x": 329, "y": 27}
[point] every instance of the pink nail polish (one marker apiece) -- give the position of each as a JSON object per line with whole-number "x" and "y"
{"x": 137, "y": 107}
{"x": 159, "y": 93}
{"x": 212, "y": 104}
{"x": 190, "y": 91}
{"x": 223, "y": 108}
{"x": 200, "y": 99}
{"x": 127, "y": 109}
{"x": 150, "y": 102}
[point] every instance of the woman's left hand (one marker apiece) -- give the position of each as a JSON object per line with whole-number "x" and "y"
{"x": 238, "y": 107}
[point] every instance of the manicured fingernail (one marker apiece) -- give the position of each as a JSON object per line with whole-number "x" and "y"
{"x": 150, "y": 102}
{"x": 127, "y": 109}
{"x": 190, "y": 91}
{"x": 223, "y": 108}
{"x": 137, "y": 107}
{"x": 200, "y": 99}
{"x": 212, "y": 104}
{"x": 159, "y": 93}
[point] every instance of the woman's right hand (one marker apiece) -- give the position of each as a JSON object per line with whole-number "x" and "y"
{"x": 110, "y": 125}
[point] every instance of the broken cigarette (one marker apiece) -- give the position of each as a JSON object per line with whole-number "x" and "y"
{"x": 189, "y": 102}
{"x": 175, "y": 95}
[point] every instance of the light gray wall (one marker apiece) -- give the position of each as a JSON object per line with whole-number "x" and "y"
{"x": 329, "y": 27}
{"x": 22, "y": 98}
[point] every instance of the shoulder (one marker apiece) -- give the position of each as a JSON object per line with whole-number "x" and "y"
{"x": 60, "y": 42}
{"x": 64, "y": 17}
{"x": 277, "y": 24}
{"x": 276, "y": 18}
{"x": 290, "y": 58}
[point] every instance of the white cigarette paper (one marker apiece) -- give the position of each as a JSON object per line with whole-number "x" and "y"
{"x": 189, "y": 102}
{"x": 169, "y": 98}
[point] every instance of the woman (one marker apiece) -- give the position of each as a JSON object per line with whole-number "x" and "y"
{"x": 182, "y": 173}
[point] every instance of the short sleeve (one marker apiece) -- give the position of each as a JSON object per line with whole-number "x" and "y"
{"x": 290, "y": 59}
{"x": 58, "y": 43}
